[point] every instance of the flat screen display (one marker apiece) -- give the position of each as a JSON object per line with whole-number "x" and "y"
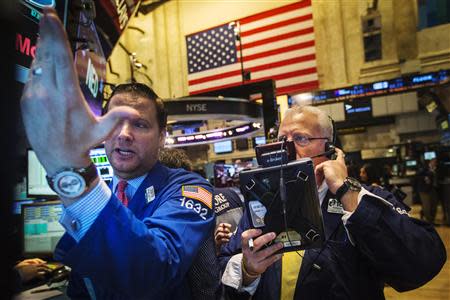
{"x": 357, "y": 109}
{"x": 429, "y": 155}
{"x": 104, "y": 169}
{"x": 259, "y": 140}
{"x": 411, "y": 163}
{"x": 17, "y": 205}
{"x": 242, "y": 144}
{"x": 37, "y": 186}
{"x": 30, "y": 12}
{"x": 41, "y": 227}
{"x": 223, "y": 147}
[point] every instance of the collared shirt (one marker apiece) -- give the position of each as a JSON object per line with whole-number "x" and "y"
{"x": 79, "y": 217}
{"x": 133, "y": 185}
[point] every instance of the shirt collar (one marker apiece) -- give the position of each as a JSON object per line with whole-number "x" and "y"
{"x": 322, "y": 191}
{"x": 134, "y": 183}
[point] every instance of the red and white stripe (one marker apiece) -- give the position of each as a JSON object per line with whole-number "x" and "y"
{"x": 277, "y": 44}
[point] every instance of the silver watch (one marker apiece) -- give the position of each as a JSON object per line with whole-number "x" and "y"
{"x": 72, "y": 182}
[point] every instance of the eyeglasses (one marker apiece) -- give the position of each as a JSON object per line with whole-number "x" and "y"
{"x": 302, "y": 140}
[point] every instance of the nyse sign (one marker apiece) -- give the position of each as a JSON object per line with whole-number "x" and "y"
{"x": 201, "y": 107}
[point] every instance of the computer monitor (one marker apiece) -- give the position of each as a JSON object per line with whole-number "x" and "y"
{"x": 104, "y": 169}
{"x": 242, "y": 144}
{"x": 17, "y": 205}
{"x": 259, "y": 140}
{"x": 37, "y": 186}
{"x": 411, "y": 163}
{"x": 41, "y": 228}
{"x": 429, "y": 155}
{"x": 223, "y": 147}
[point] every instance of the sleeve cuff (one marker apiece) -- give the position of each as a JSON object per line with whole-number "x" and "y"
{"x": 232, "y": 276}
{"x": 348, "y": 214}
{"x": 79, "y": 216}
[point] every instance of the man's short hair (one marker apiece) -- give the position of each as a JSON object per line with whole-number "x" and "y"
{"x": 142, "y": 90}
{"x": 324, "y": 120}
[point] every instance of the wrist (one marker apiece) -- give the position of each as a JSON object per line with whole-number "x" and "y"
{"x": 53, "y": 167}
{"x": 350, "y": 200}
{"x": 247, "y": 277}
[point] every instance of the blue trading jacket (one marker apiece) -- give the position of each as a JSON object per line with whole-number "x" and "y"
{"x": 390, "y": 248}
{"x": 145, "y": 250}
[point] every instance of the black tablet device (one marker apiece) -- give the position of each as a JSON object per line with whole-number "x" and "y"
{"x": 302, "y": 226}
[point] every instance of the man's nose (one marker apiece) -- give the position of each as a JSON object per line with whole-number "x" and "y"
{"x": 125, "y": 133}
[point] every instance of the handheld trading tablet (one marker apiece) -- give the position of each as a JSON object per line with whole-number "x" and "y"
{"x": 302, "y": 227}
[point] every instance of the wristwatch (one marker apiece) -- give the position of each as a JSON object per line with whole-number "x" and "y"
{"x": 72, "y": 182}
{"x": 351, "y": 184}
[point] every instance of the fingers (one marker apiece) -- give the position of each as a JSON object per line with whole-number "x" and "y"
{"x": 55, "y": 53}
{"x": 257, "y": 261}
{"x": 35, "y": 261}
{"x": 318, "y": 170}
{"x": 105, "y": 125}
{"x": 247, "y": 235}
{"x": 225, "y": 226}
{"x": 340, "y": 155}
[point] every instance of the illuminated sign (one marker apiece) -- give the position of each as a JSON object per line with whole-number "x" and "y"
{"x": 213, "y": 136}
{"x": 196, "y": 107}
{"x": 42, "y": 3}
{"x": 25, "y": 46}
{"x": 396, "y": 85}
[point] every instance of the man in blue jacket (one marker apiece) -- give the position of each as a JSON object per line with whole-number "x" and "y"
{"x": 137, "y": 238}
{"x": 370, "y": 239}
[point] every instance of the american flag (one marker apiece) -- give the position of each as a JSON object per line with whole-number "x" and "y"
{"x": 277, "y": 44}
{"x": 198, "y": 193}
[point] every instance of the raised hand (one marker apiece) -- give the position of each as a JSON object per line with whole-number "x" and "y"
{"x": 335, "y": 172}
{"x": 255, "y": 261}
{"x": 59, "y": 124}
{"x": 222, "y": 235}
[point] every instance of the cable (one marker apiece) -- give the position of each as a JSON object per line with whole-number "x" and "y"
{"x": 282, "y": 189}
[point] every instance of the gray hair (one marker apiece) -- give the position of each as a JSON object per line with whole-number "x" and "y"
{"x": 324, "y": 120}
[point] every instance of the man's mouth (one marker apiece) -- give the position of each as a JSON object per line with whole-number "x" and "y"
{"x": 124, "y": 152}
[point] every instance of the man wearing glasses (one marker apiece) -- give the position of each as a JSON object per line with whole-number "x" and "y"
{"x": 370, "y": 241}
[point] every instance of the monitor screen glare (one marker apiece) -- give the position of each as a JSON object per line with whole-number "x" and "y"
{"x": 37, "y": 185}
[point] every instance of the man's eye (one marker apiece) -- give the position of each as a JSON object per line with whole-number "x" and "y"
{"x": 300, "y": 138}
{"x": 140, "y": 125}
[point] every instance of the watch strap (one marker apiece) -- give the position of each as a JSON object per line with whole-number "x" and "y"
{"x": 349, "y": 184}
{"x": 342, "y": 190}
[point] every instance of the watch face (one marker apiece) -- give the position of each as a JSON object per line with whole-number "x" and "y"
{"x": 69, "y": 184}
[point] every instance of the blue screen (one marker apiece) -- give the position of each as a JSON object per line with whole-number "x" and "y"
{"x": 223, "y": 147}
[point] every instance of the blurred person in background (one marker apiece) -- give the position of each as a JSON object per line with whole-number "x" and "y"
{"x": 369, "y": 175}
{"x": 427, "y": 187}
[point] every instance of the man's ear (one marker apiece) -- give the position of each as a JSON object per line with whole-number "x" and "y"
{"x": 162, "y": 138}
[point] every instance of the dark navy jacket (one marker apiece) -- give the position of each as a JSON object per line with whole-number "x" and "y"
{"x": 145, "y": 250}
{"x": 390, "y": 247}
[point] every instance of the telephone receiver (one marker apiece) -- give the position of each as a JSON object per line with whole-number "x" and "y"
{"x": 330, "y": 151}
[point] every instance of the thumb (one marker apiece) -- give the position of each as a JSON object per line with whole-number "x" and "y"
{"x": 106, "y": 124}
